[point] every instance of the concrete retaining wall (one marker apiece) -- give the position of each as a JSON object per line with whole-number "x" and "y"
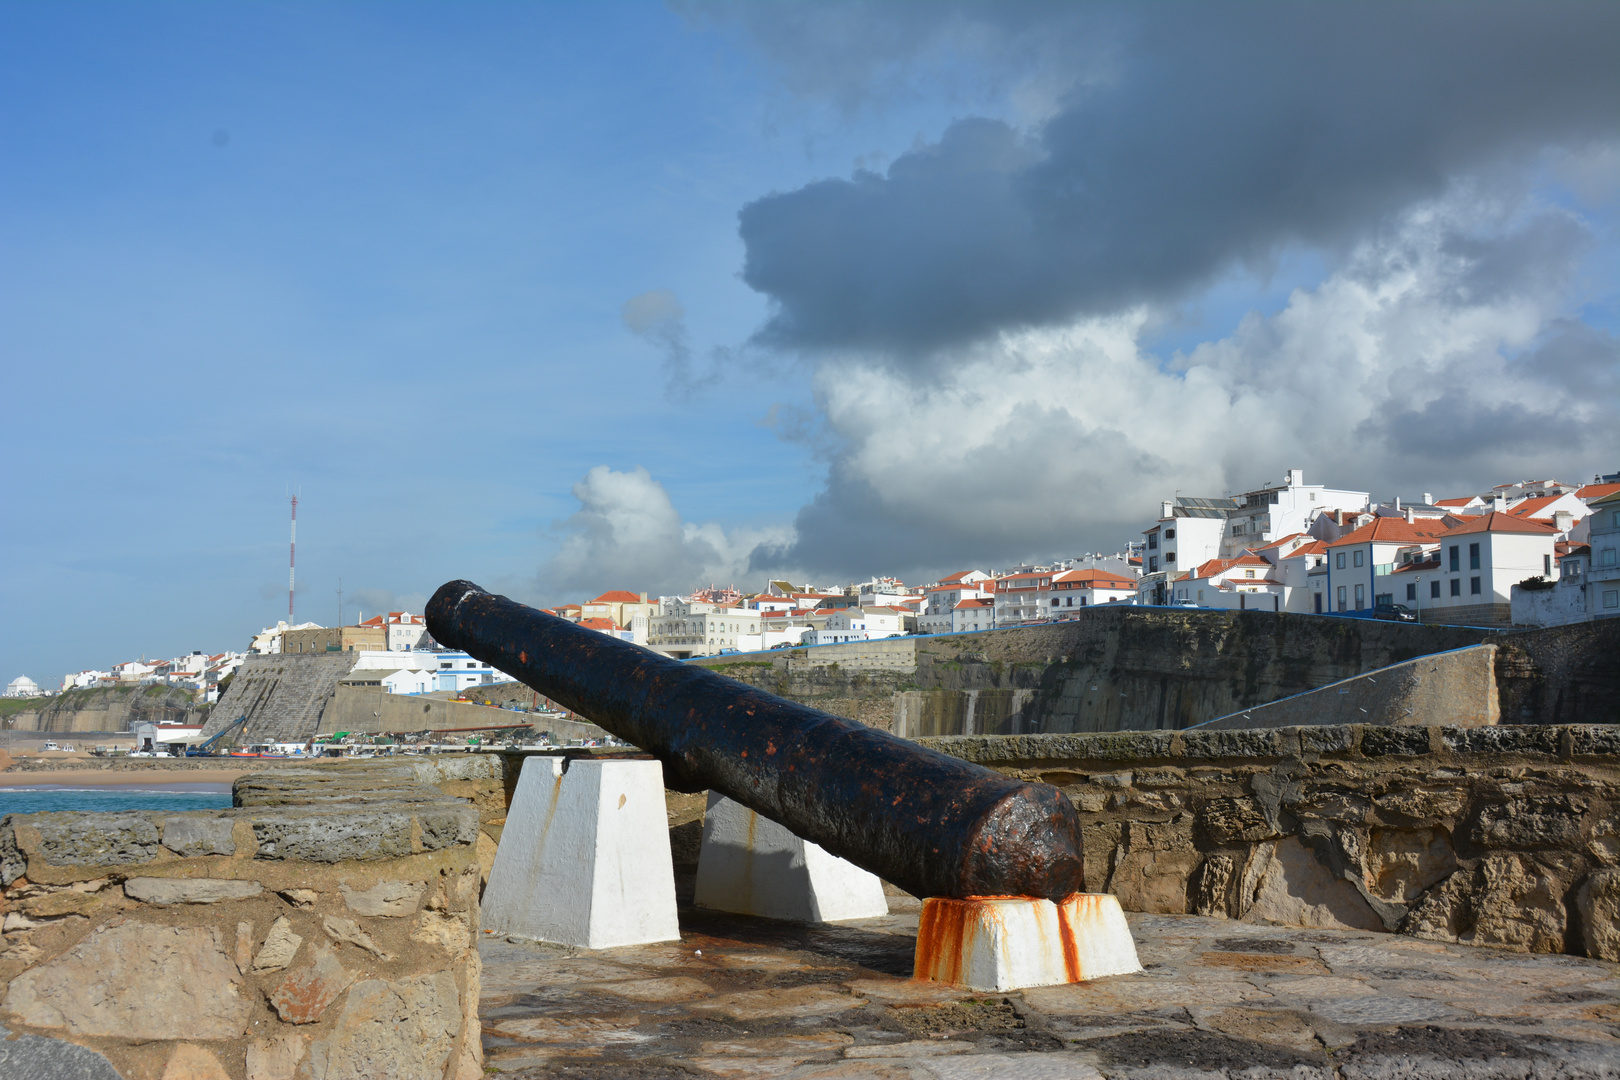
{"x": 324, "y": 927}
{"x": 282, "y": 695}
{"x": 1456, "y": 688}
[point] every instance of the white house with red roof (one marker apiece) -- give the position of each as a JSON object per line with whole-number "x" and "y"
{"x": 403, "y": 631}
{"x": 1247, "y": 582}
{"x": 1356, "y": 560}
{"x": 1074, "y": 590}
{"x": 973, "y": 614}
{"x": 1020, "y": 597}
{"x": 941, "y": 598}
{"x": 1476, "y": 563}
{"x": 1559, "y": 511}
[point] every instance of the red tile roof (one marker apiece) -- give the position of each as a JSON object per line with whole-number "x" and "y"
{"x": 1596, "y": 491}
{"x": 1454, "y": 502}
{"x": 618, "y": 596}
{"x": 1392, "y": 530}
{"x": 972, "y": 604}
{"x": 599, "y": 624}
{"x": 1500, "y": 522}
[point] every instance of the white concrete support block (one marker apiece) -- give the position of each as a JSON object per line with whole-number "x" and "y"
{"x": 1011, "y": 942}
{"x": 584, "y": 857}
{"x": 753, "y": 866}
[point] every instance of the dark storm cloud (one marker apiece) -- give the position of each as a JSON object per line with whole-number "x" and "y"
{"x": 1213, "y": 135}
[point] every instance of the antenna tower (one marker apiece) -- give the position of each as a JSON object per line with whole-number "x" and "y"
{"x": 292, "y": 560}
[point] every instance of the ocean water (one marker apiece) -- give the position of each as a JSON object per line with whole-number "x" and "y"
{"x": 39, "y": 799}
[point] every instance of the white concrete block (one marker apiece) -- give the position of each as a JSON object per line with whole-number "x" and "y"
{"x": 584, "y": 856}
{"x": 753, "y": 866}
{"x": 1011, "y": 942}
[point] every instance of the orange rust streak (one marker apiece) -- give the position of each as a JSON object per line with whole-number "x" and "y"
{"x": 1068, "y": 931}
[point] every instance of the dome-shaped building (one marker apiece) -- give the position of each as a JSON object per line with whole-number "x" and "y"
{"x": 23, "y": 686}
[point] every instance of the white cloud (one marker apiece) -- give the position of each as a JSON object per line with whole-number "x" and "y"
{"x": 627, "y": 534}
{"x": 1436, "y": 359}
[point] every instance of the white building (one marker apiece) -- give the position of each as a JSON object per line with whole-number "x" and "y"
{"x": 1019, "y": 597}
{"x": 268, "y": 640}
{"x": 1603, "y": 583}
{"x": 686, "y": 628}
{"x": 1360, "y": 562}
{"x": 1245, "y": 583}
{"x": 858, "y": 624}
{"x": 970, "y": 615}
{"x": 23, "y": 687}
{"x": 1075, "y": 589}
{"x": 1479, "y": 561}
{"x": 941, "y": 598}
{"x": 403, "y": 631}
{"x": 456, "y": 672}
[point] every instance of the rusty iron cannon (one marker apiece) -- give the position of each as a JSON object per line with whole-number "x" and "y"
{"x": 934, "y": 825}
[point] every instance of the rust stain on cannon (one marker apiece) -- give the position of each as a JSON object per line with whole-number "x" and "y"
{"x": 930, "y": 823}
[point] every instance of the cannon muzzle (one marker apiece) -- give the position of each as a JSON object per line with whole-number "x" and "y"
{"x": 930, "y": 823}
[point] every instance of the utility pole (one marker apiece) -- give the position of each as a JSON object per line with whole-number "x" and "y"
{"x": 340, "y": 602}
{"x": 292, "y": 561}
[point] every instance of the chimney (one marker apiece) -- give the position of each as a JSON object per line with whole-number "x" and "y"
{"x": 1398, "y": 506}
{"x": 1563, "y": 520}
{"x": 1428, "y": 498}
{"x": 1498, "y": 503}
{"x": 1166, "y": 505}
{"x": 643, "y": 598}
{"x": 1296, "y": 477}
{"x": 1409, "y": 515}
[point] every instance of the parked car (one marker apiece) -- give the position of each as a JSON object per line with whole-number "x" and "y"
{"x": 1185, "y": 603}
{"x": 1395, "y": 613}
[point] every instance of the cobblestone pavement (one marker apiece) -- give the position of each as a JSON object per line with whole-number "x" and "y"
{"x": 740, "y": 997}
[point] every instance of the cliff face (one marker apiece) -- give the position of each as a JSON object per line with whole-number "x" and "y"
{"x": 114, "y": 708}
{"x": 1128, "y": 668}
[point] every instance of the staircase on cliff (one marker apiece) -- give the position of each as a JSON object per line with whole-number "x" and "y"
{"x": 282, "y": 695}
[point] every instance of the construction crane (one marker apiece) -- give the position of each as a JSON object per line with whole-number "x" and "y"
{"x": 206, "y": 747}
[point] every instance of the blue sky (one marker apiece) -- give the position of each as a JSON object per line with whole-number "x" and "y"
{"x": 379, "y": 255}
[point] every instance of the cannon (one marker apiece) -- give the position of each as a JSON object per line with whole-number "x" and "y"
{"x": 934, "y": 825}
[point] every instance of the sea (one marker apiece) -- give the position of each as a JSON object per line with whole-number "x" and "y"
{"x": 40, "y": 798}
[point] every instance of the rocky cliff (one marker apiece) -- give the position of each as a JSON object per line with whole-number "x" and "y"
{"x": 113, "y": 708}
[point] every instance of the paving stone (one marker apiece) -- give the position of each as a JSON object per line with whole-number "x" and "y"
{"x": 677, "y": 988}
{"x": 916, "y": 1048}
{"x": 1380, "y": 1009}
{"x": 798, "y": 1002}
{"x": 820, "y": 1042}
{"x": 1012, "y": 1067}
{"x": 150, "y": 890}
{"x": 389, "y": 899}
{"x": 588, "y": 1029}
{"x": 275, "y": 1058}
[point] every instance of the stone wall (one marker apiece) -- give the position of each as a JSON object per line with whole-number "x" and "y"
{"x": 283, "y": 696}
{"x": 1503, "y": 836}
{"x": 1121, "y": 668}
{"x": 324, "y": 928}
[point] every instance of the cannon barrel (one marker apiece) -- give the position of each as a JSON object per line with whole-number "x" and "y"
{"x": 930, "y": 823}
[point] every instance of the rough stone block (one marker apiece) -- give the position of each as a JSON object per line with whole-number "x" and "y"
{"x": 192, "y": 1062}
{"x": 1595, "y": 740}
{"x": 275, "y": 1058}
{"x": 446, "y": 826}
{"x": 1229, "y": 744}
{"x": 584, "y": 857}
{"x": 1508, "y": 900}
{"x": 349, "y": 932}
{"x": 192, "y": 835}
{"x": 87, "y": 839}
{"x": 305, "y": 995}
{"x": 751, "y": 865}
{"x": 136, "y": 981}
{"x": 153, "y": 890}
{"x": 390, "y": 899}
{"x": 279, "y": 948}
{"x": 1219, "y": 822}
{"x": 1598, "y": 902}
{"x": 1330, "y": 739}
{"x": 1010, "y": 942}
{"x": 403, "y": 1030}
{"x": 1286, "y": 883}
{"x": 1382, "y": 741}
{"x": 33, "y": 1057}
{"x": 1501, "y": 740}
{"x": 1552, "y": 821}
{"x": 332, "y": 836}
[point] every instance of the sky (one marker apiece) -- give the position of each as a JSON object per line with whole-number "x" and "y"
{"x": 562, "y": 298}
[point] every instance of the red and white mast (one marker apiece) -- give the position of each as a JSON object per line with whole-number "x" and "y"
{"x": 292, "y": 560}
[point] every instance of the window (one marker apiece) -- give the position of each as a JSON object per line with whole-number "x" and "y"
{"x": 1455, "y": 565}
{"x": 1611, "y": 598}
{"x": 1456, "y": 586}
{"x": 1383, "y": 598}
{"x": 1169, "y": 534}
{"x": 1473, "y": 557}
{"x": 1607, "y": 557}
{"x": 1434, "y": 590}
{"x": 1411, "y": 591}
{"x": 1357, "y": 558}
{"x": 1340, "y": 562}
{"x": 1237, "y": 530}
{"x": 1169, "y": 557}
{"x": 1153, "y": 541}
{"x": 1473, "y": 586}
{"x": 1248, "y": 573}
{"x": 1153, "y": 563}
{"x": 1341, "y": 593}
{"x": 1361, "y": 597}
{"x": 1546, "y": 566}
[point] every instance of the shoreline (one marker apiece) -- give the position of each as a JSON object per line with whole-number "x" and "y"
{"x": 106, "y": 778}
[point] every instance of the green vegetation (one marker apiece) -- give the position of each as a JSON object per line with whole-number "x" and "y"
{"x": 11, "y": 706}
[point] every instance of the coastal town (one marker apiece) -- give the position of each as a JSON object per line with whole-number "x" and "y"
{"x": 1525, "y": 553}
